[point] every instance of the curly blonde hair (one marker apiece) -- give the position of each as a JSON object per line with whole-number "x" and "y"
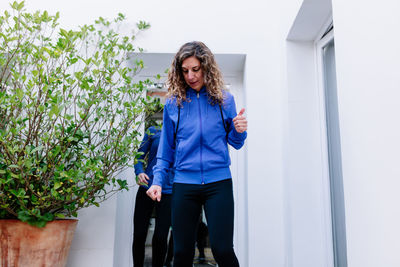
{"x": 212, "y": 75}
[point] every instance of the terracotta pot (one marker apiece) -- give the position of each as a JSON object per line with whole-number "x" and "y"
{"x": 23, "y": 245}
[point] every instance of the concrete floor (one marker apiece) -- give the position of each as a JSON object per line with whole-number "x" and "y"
{"x": 209, "y": 258}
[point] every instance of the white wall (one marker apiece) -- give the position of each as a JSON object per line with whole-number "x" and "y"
{"x": 122, "y": 253}
{"x": 93, "y": 243}
{"x": 368, "y": 66}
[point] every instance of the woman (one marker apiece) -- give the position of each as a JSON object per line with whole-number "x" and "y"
{"x": 199, "y": 121}
{"x": 144, "y": 205}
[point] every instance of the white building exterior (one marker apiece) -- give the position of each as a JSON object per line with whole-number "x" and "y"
{"x": 268, "y": 52}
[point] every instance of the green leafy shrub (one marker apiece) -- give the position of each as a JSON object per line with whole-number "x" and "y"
{"x": 71, "y": 112}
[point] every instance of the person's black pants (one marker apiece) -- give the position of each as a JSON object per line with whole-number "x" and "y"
{"x": 170, "y": 251}
{"x": 201, "y": 240}
{"x": 187, "y": 200}
{"x": 143, "y": 209}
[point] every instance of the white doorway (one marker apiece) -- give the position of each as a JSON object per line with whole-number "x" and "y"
{"x": 232, "y": 67}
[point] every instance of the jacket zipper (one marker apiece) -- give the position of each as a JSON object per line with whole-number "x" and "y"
{"x": 201, "y": 140}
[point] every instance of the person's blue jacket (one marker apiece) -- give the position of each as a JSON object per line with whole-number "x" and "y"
{"x": 202, "y": 154}
{"x": 149, "y": 147}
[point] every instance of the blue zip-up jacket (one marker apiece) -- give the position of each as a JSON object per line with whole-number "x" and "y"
{"x": 202, "y": 154}
{"x": 149, "y": 146}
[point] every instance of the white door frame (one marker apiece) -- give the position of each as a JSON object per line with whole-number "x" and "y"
{"x": 319, "y": 45}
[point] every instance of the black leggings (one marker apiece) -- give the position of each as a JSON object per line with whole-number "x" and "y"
{"x": 217, "y": 199}
{"x": 141, "y": 219}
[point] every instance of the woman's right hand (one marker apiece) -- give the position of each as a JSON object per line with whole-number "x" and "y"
{"x": 154, "y": 192}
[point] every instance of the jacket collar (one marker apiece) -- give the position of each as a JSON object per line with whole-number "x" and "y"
{"x": 202, "y": 91}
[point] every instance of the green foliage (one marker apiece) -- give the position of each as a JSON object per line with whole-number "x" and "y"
{"x": 142, "y": 25}
{"x": 70, "y": 114}
{"x": 151, "y": 114}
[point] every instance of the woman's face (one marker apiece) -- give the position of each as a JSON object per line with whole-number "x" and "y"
{"x": 193, "y": 73}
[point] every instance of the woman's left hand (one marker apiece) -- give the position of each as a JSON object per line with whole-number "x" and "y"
{"x": 240, "y": 122}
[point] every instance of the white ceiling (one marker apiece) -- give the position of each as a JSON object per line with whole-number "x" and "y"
{"x": 312, "y": 14}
